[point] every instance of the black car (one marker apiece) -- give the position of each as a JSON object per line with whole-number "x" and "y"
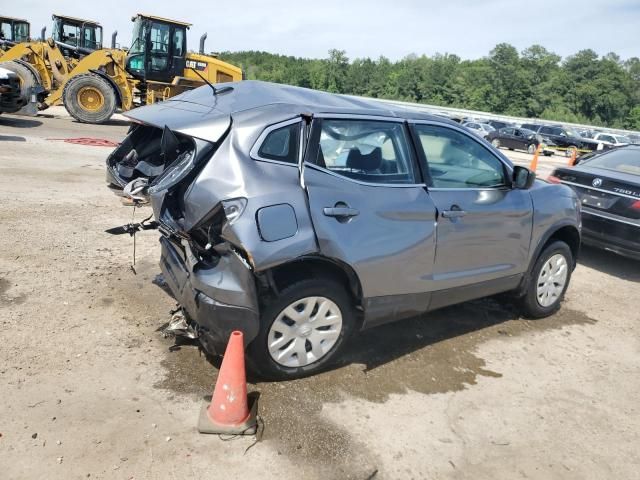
{"x": 520, "y": 139}
{"x": 566, "y": 138}
{"x": 498, "y": 124}
{"x": 608, "y": 184}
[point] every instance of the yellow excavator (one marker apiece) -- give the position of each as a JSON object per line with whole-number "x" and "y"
{"x": 44, "y": 66}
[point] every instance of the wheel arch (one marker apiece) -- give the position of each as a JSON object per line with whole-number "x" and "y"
{"x": 313, "y": 266}
{"x": 566, "y": 232}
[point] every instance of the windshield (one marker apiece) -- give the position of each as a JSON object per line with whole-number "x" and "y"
{"x": 487, "y": 128}
{"x": 137, "y": 45}
{"x": 571, "y": 133}
{"x": 623, "y": 159}
{"x": 21, "y": 32}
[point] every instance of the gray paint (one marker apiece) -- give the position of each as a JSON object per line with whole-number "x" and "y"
{"x": 407, "y": 256}
{"x": 277, "y": 222}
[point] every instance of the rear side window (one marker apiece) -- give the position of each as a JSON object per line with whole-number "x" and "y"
{"x": 281, "y": 144}
{"x": 366, "y": 150}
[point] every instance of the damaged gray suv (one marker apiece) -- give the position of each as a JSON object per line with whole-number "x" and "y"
{"x": 300, "y": 217}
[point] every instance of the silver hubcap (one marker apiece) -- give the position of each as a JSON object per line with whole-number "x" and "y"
{"x": 552, "y": 280}
{"x": 496, "y": 143}
{"x": 304, "y": 332}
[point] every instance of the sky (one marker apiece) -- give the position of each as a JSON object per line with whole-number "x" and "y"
{"x": 392, "y": 28}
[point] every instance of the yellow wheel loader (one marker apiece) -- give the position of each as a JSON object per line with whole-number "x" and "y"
{"x": 156, "y": 67}
{"x": 44, "y": 66}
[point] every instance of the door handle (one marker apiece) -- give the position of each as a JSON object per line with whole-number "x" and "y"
{"x": 455, "y": 212}
{"x": 340, "y": 212}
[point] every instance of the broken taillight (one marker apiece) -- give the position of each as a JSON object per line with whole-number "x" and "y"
{"x": 233, "y": 208}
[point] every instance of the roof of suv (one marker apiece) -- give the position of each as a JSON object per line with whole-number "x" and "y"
{"x": 253, "y": 94}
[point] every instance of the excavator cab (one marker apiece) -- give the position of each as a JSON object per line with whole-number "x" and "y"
{"x": 159, "y": 49}
{"x": 12, "y": 31}
{"x": 76, "y": 37}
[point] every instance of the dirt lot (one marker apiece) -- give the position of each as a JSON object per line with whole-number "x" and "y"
{"x": 91, "y": 389}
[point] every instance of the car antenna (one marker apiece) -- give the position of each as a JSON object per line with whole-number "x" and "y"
{"x": 215, "y": 92}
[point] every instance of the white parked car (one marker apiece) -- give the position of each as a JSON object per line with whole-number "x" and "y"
{"x": 612, "y": 140}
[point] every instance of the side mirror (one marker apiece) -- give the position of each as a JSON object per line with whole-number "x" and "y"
{"x": 523, "y": 178}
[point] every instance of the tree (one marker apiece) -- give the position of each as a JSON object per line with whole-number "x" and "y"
{"x": 534, "y": 83}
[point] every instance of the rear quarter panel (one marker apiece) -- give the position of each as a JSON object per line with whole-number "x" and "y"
{"x": 554, "y": 206}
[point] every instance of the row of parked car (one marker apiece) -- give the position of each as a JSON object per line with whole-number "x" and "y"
{"x": 528, "y": 136}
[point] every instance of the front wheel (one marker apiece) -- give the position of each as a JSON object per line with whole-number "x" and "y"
{"x": 89, "y": 98}
{"x": 531, "y": 149}
{"x": 302, "y": 330}
{"x": 549, "y": 281}
{"x": 495, "y": 142}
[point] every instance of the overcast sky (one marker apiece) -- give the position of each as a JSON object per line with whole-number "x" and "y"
{"x": 393, "y": 28}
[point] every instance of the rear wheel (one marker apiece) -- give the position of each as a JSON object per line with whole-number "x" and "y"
{"x": 302, "y": 330}
{"x": 495, "y": 142}
{"x": 549, "y": 281}
{"x": 89, "y": 98}
{"x": 28, "y": 79}
{"x": 531, "y": 149}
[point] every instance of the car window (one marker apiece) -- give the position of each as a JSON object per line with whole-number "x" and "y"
{"x": 457, "y": 161}
{"x": 547, "y": 130}
{"x": 281, "y": 144}
{"x": 507, "y": 131}
{"x": 366, "y": 150}
{"x": 607, "y": 138}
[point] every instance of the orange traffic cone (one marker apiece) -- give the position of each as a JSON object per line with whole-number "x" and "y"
{"x": 534, "y": 163}
{"x": 572, "y": 160}
{"x": 229, "y": 410}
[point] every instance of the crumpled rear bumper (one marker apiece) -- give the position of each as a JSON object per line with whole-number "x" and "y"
{"x": 218, "y": 299}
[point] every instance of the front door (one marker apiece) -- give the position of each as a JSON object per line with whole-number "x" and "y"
{"x": 483, "y": 225}
{"x": 371, "y": 210}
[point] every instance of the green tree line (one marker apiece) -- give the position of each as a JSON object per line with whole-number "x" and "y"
{"x": 534, "y": 83}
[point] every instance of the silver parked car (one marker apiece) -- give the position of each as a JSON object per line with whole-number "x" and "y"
{"x": 300, "y": 217}
{"x": 482, "y": 129}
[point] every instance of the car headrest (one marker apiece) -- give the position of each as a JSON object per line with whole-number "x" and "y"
{"x": 367, "y": 163}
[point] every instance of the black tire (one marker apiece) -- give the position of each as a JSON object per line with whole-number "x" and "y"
{"x": 27, "y": 78}
{"x": 98, "y": 95}
{"x": 531, "y": 148}
{"x": 531, "y": 308}
{"x": 260, "y": 360}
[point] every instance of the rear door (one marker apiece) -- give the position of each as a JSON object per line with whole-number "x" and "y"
{"x": 483, "y": 225}
{"x": 369, "y": 206}
{"x": 507, "y": 137}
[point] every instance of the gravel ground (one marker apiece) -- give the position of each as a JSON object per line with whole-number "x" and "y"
{"x": 91, "y": 389}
